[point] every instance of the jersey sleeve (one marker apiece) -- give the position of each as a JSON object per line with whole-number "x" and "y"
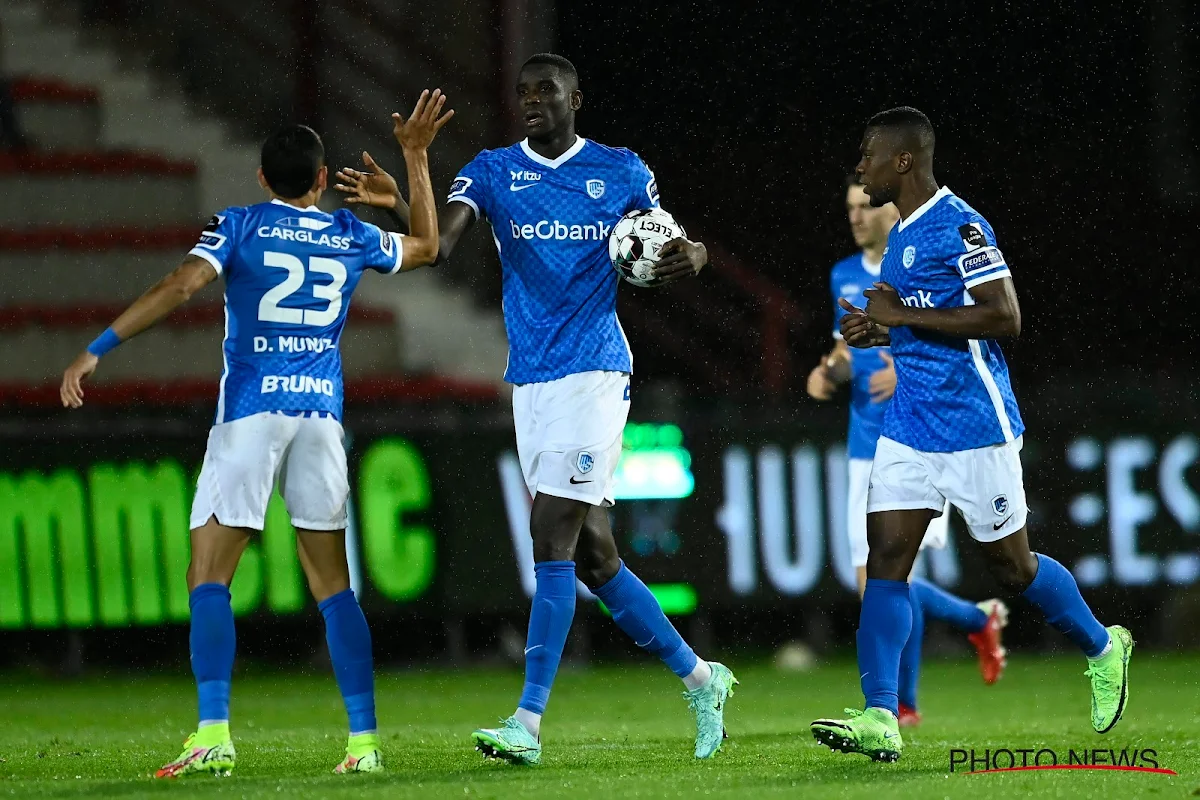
{"x": 977, "y": 257}
{"x": 643, "y": 191}
{"x": 471, "y": 186}
{"x": 218, "y": 238}
{"x": 382, "y": 250}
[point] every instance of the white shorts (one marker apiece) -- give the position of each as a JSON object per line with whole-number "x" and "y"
{"x": 245, "y": 457}
{"x": 983, "y": 484}
{"x": 856, "y": 515}
{"x": 569, "y": 434}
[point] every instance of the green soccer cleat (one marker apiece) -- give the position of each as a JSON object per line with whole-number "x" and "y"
{"x": 1110, "y": 680}
{"x": 874, "y": 733}
{"x": 362, "y": 755}
{"x": 511, "y": 742}
{"x": 708, "y": 703}
{"x": 207, "y": 750}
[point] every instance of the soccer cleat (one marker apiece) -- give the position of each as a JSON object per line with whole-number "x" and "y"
{"x": 216, "y": 758}
{"x": 511, "y": 742}
{"x": 708, "y": 703}
{"x": 992, "y": 656}
{"x": 908, "y": 717}
{"x": 873, "y": 733}
{"x": 362, "y": 755}
{"x": 1110, "y": 680}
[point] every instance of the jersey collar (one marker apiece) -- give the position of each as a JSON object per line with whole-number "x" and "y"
{"x": 872, "y": 269}
{"x": 928, "y": 204}
{"x": 275, "y": 201}
{"x": 557, "y": 162}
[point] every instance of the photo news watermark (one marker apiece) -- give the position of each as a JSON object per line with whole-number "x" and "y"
{"x": 972, "y": 761}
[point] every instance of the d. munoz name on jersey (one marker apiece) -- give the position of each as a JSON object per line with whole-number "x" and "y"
{"x": 294, "y": 344}
{"x": 305, "y": 236}
{"x": 296, "y": 384}
{"x": 553, "y": 229}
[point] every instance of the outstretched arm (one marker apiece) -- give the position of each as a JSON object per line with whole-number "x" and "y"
{"x": 159, "y": 300}
{"x": 415, "y": 135}
{"x": 994, "y": 314}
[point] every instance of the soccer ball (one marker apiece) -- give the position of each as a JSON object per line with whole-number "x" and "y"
{"x": 636, "y": 240}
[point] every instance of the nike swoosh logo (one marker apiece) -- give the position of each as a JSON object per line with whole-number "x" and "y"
{"x": 575, "y": 481}
{"x": 528, "y": 650}
{"x": 645, "y": 643}
{"x": 512, "y": 187}
{"x": 890, "y": 735}
{"x": 1000, "y": 525}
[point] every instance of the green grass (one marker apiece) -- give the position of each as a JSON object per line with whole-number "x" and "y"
{"x": 618, "y": 733}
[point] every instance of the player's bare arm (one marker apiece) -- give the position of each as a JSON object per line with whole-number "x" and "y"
{"x": 830, "y": 373}
{"x": 859, "y": 330}
{"x": 148, "y": 310}
{"x": 995, "y": 313}
{"x": 414, "y": 136}
{"x": 680, "y": 258}
{"x": 378, "y": 189}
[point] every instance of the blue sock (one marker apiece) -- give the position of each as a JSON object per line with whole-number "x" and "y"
{"x": 212, "y": 642}
{"x": 1056, "y": 594}
{"x": 549, "y": 623}
{"x": 910, "y": 656}
{"x": 940, "y": 604}
{"x": 637, "y": 612}
{"x": 884, "y": 624}
{"x": 349, "y": 642}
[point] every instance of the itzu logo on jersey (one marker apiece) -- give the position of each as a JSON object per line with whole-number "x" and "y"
{"x": 553, "y": 229}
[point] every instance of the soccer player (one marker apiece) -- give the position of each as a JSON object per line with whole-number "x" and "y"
{"x": 551, "y": 200}
{"x": 872, "y": 378}
{"x": 289, "y": 271}
{"x": 952, "y": 431}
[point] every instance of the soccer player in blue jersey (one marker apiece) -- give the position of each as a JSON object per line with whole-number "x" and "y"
{"x": 872, "y": 378}
{"x": 952, "y": 431}
{"x": 289, "y": 271}
{"x": 552, "y": 200}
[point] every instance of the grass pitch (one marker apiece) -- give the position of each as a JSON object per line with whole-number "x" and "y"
{"x": 619, "y": 732}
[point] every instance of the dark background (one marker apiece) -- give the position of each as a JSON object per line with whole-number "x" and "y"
{"x": 1066, "y": 124}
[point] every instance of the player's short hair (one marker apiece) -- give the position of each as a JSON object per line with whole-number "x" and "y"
{"x": 291, "y": 159}
{"x": 911, "y": 123}
{"x": 558, "y": 62}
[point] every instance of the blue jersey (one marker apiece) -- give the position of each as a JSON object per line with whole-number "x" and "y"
{"x": 289, "y": 273}
{"x": 551, "y": 220}
{"x": 952, "y": 394}
{"x": 848, "y": 279}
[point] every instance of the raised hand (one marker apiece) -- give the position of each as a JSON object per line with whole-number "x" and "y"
{"x": 374, "y": 187}
{"x": 418, "y": 131}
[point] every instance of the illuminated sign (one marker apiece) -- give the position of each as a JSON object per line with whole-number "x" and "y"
{"x": 109, "y": 545}
{"x": 654, "y": 464}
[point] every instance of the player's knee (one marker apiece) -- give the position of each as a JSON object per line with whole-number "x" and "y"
{"x": 554, "y": 526}
{"x": 596, "y": 568}
{"x": 206, "y": 570}
{"x": 1013, "y": 574}
{"x": 888, "y": 559}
